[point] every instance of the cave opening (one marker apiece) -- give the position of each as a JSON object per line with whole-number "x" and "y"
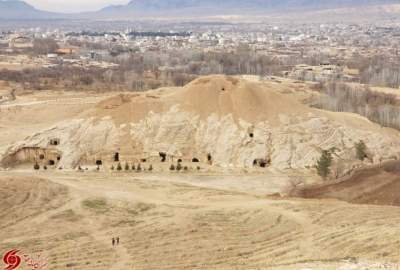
{"x": 163, "y": 156}
{"x": 54, "y": 142}
{"x": 116, "y": 157}
{"x": 260, "y": 163}
{"x": 195, "y": 160}
{"x": 209, "y": 158}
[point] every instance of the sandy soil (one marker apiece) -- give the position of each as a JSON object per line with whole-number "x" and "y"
{"x": 189, "y": 221}
{"x": 376, "y": 185}
{"x": 168, "y": 224}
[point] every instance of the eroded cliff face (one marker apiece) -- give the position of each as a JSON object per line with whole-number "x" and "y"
{"x": 295, "y": 144}
{"x": 182, "y": 124}
{"x": 76, "y": 141}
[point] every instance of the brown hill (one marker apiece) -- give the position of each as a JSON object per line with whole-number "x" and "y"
{"x": 220, "y": 95}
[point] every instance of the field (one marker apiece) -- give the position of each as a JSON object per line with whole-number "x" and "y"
{"x": 172, "y": 224}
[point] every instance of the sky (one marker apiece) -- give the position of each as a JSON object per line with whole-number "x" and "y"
{"x": 73, "y": 5}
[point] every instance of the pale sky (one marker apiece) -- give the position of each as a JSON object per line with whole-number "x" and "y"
{"x": 73, "y": 5}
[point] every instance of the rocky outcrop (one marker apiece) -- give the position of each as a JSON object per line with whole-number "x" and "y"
{"x": 295, "y": 144}
{"x": 223, "y": 121}
{"x": 77, "y": 141}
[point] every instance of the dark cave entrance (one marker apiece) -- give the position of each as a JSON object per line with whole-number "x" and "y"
{"x": 163, "y": 156}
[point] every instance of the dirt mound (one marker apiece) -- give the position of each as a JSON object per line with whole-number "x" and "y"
{"x": 217, "y": 94}
{"x": 378, "y": 185}
{"x": 218, "y": 121}
{"x": 250, "y": 101}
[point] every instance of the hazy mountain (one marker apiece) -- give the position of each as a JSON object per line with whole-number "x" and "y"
{"x": 15, "y": 9}
{"x": 226, "y": 7}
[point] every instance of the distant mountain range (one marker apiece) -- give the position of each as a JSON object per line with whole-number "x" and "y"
{"x": 16, "y": 9}
{"x": 239, "y": 5}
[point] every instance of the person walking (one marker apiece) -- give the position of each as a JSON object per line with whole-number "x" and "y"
{"x": 113, "y": 241}
{"x": 117, "y": 240}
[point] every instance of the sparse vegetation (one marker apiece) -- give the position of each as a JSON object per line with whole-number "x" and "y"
{"x": 44, "y": 46}
{"x": 36, "y": 166}
{"x": 179, "y": 167}
{"x": 378, "y": 107}
{"x": 98, "y": 204}
{"x": 119, "y": 167}
{"x": 361, "y": 149}
{"x": 324, "y": 164}
{"x": 67, "y": 215}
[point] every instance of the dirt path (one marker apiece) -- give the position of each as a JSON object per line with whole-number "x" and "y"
{"x": 174, "y": 225}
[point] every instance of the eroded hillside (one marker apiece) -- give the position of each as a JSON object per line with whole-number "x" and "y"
{"x": 215, "y": 122}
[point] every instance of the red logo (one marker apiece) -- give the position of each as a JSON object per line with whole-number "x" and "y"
{"x": 11, "y": 259}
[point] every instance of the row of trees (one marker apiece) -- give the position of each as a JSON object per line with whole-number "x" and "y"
{"x": 381, "y": 108}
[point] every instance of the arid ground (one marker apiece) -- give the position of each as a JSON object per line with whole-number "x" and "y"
{"x": 173, "y": 224}
{"x": 189, "y": 220}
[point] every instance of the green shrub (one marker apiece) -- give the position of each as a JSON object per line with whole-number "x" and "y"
{"x": 179, "y": 167}
{"x": 361, "y": 150}
{"x": 119, "y": 167}
{"x": 36, "y": 166}
{"x": 324, "y": 163}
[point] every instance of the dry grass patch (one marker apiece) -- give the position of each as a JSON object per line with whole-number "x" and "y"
{"x": 96, "y": 204}
{"x": 67, "y": 215}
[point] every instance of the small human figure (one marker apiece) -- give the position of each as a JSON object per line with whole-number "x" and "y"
{"x": 113, "y": 241}
{"x": 117, "y": 241}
